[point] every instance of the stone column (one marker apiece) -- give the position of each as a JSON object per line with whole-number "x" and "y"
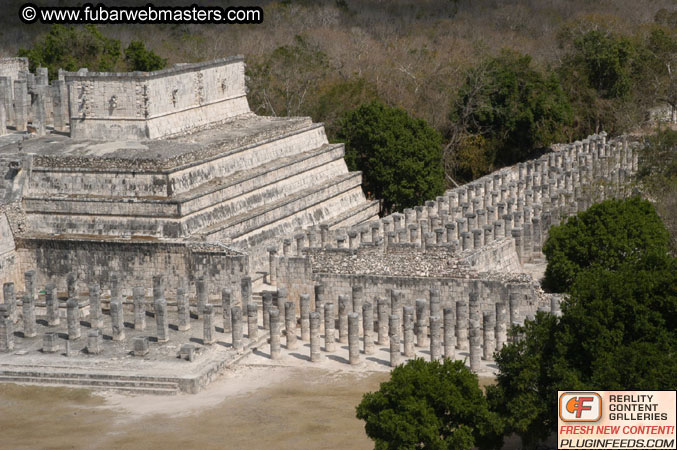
{"x": 6, "y": 98}
{"x": 408, "y": 314}
{"x": 421, "y": 323}
{"x": 304, "y": 306}
{"x": 329, "y": 339}
{"x": 252, "y": 321}
{"x": 279, "y": 301}
{"x": 394, "y": 327}
{"x": 435, "y": 339}
{"x": 462, "y": 325}
{"x": 208, "y": 329}
{"x": 73, "y": 318}
{"x": 274, "y": 333}
{"x": 501, "y": 325}
{"x": 246, "y": 287}
{"x": 396, "y": 301}
{"x": 353, "y": 338}
{"x": 434, "y": 302}
{"x": 95, "y": 315}
{"x": 183, "y": 312}
{"x": 117, "y": 319}
{"x": 449, "y": 334}
{"x": 357, "y": 299}
{"x": 290, "y": 325}
{"x": 272, "y": 265}
{"x": 201, "y": 294}
{"x": 382, "y": 306}
{"x": 324, "y": 235}
{"x": 466, "y": 242}
{"x": 315, "y": 355}
{"x": 139, "y": 295}
{"x": 477, "y": 238}
{"x": 161, "y": 320}
{"x": 28, "y": 308}
{"x": 286, "y": 247}
{"x": 6, "y": 329}
{"x": 344, "y": 307}
{"x": 158, "y": 287}
{"x": 21, "y": 105}
{"x": 94, "y": 342}
{"x": 475, "y": 339}
{"x": 517, "y": 236}
{"x": 514, "y": 309}
{"x": 59, "y": 104}
{"x": 71, "y": 288}
{"x": 489, "y": 321}
{"x": 29, "y": 283}
{"x": 267, "y": 303}
{"x": 236, "y": 318}
{"x": 39, "y": 110}
{"x": 368, "y": 325}
{"x": 52, "y": 303}
{"x": 10, "y": 301}
{"x": 319, "y": 303}
{"x": 555, "y": 307}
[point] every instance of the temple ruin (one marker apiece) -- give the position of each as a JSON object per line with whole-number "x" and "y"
{"x": 154, "y": 231}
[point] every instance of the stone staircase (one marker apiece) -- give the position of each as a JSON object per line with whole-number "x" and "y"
{"x": 248, "y": 182}
{"x": 123, "y": 383}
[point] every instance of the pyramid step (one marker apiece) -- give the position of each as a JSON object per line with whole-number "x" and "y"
{"x": 183, "y": 214}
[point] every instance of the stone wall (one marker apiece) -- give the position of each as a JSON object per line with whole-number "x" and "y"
{"x": 9, "y": 259}
{"x": 12, "y": 67}
{"x": 150, "y": 105}
{"x": 135, "y": 262}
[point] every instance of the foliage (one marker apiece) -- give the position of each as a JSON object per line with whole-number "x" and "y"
{"x": 430, "y": 405}
{"x": 527, "y": 381}
{"x": 141, "y": 59}
{"x": 335, "y": 98}
{"x": 658, "y": 177}
{"x": 513, "y": 106}
{"x": 282, "y": 82}
{"x": 399, "y": 156}
{"x": 617, "y": 331}
{"x": 605, "y": 236}
{"x": 71, "y": 48}
{"x": 605, "y": 60}
{"x": 620, "y": 325}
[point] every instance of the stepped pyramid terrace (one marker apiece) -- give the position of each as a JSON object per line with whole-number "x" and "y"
{"x": 164, "y": 166}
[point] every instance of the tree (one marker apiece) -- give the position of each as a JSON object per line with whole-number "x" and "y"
{"x": 606, "y": 235}
{"x": 71, "y": 48}
{"x": 400, "y": 157}
{"x": 282, "y": 82}
{"x": 141, "y": 59}
{"x": 430, "y": 405}
{"x": 514, "y": 107}
{"x": 528, "y": 381}
{"x": 617, "y": 332}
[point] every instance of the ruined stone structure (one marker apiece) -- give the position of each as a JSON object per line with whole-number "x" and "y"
{"x": 168, "y": 215}
{"x": 162, "y": 171}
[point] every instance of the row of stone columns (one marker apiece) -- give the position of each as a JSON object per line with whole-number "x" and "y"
{"x": 403, "y": 328}
{"x": 519, "y": 203}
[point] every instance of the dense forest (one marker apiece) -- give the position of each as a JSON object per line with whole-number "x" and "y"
{"x": 497, "y": 79}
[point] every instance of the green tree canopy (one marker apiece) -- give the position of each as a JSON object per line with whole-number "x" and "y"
{"x": 139, "y": 58}
{"x": 430, "y": 405}
{"x": 617, "y": 331}
{"x": 71, "y": 48}
{"x": 513, "y": 106}
{"x": 400, "y": 157}
{"x": 606, "y": 236}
